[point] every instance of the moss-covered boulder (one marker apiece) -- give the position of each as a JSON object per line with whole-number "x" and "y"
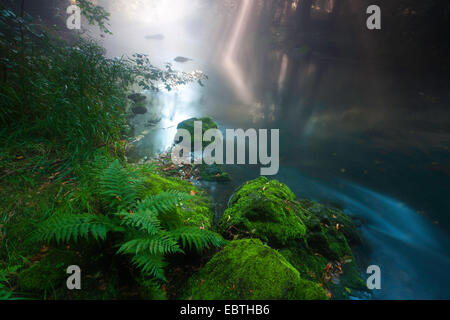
{"x": 139, "y": 107}
{"x": 314, "y": 238}
{"x": 247, "y": 270}
{"x": 266, "y": 210}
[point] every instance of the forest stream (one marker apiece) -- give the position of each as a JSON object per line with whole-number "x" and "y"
{"x": 346, "y": 138}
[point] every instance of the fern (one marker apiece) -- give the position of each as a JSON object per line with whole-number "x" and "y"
{"x": 163, "y": 202}
{"x": 197, "y": 238}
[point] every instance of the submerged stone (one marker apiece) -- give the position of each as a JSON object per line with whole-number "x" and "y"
{"x": 248, "y": 270}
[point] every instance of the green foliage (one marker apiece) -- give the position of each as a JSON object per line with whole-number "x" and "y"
{"x": 119, "y": 188}
{"x": 72, "y": 227}
{"x": 145, "y": 233}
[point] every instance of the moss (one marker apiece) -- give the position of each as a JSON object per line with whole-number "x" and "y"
{"x": 149, "y": 289}
{"x": 309, "y": 264}
{"x": 139, "y": 107}
{"x": 247, "y": 269}
{"x": 350, "y": 282}
{"x": 213, "y": 172}
{"x": 156, "y": 184}
{"x": 207, "y": 123}
{"x": 264, "y": 209}
{"x": 47, "y": 274}
{"x": 321, "y": 214}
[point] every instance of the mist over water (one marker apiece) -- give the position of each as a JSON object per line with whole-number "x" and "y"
{"x": 352, "y": 133}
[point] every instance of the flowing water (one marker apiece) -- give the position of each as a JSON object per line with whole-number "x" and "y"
{"x": 352, "y": 134}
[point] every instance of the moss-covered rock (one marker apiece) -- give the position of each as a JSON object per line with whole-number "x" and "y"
{"x": 247, "y": 269}
{"x": 150, "y": 289}
{"x": 266, "y": 210}
{"x": 213, "y": 172}
{"x": 47, "y": 274}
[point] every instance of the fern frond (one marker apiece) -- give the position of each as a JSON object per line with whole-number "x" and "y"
{"x": 199, "y": 239}
{"x": 72, "y": 227}
{"x": 163, "y": 202}
{"x": 160, "y": 244}
{"x": 151, "y": 265}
